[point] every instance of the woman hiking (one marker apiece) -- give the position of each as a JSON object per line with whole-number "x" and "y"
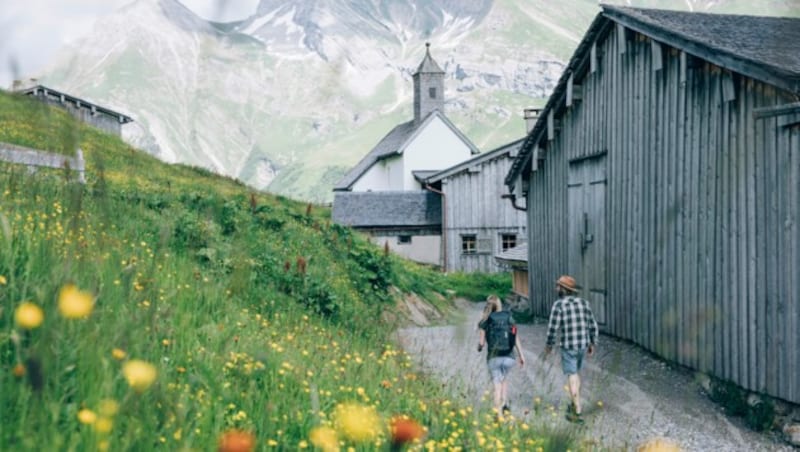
{"x": 497, "y": 332}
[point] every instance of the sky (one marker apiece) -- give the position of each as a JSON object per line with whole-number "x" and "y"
{"x": 32, "y": 31}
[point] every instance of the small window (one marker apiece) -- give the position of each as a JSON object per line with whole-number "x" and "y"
{"x": 469, "y": 244}
{"x": 508, "y": 241}
{"x": 432, "y": 93}
{"x": 404, "y": 239}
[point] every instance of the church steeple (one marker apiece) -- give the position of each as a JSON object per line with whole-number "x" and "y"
{"x": 428, "y": 87}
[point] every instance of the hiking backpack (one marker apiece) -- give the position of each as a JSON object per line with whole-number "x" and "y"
{"x": 500, "y": 333}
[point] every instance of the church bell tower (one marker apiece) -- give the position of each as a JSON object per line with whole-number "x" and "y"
{"x": 428, "y": 87}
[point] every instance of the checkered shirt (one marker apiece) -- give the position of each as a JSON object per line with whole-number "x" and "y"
{"x": 575, "y": 319}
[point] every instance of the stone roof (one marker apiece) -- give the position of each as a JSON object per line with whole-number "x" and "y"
{"x": 760, "y": 47}
{"x": 412, "y": 209}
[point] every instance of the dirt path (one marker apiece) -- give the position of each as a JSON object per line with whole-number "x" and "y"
{"x": 641, "y": 397}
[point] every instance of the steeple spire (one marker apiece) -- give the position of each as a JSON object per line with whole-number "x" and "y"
{"x": 428, "y": 87}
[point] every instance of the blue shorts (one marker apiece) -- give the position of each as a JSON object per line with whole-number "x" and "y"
{"x": 572, "y": 361}
{"x": 499, "y": 367}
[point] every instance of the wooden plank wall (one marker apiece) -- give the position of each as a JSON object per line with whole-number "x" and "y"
{"x": 702, "y": 212}
{"x": 475, "y": 206}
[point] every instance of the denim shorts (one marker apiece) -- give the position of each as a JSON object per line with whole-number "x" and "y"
{"x": 499, "y": 367}
{"x": 572, "y": 361}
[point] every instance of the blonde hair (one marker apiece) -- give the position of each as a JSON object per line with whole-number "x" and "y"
{"x": 493, "y": 304}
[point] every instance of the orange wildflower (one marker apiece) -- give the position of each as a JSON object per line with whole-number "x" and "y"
{"x": 405, "y": 430}
{"x": 236, "y": 441}
{"x": 19, "y": 371}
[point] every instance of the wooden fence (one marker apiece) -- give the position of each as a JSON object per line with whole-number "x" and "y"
{"x": 34, "y": 158}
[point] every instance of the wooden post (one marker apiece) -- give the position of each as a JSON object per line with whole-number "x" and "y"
{"x": 728, "y": 88}
{"x": 621, "y": 38}
{"x": 80, "y": 166}
{"x": 658, "y": 57}
{"x": 683, "y": 68}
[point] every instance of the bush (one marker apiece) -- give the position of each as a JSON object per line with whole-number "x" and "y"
{"x": 478, "y": 286}
{"x": 760, "y": 416}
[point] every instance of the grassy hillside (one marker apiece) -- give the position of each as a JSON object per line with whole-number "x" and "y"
{"x": 161, "y": 307}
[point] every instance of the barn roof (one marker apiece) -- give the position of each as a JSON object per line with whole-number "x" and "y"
{"x": 35, "y": 90}
{"x": 388, "y": 209}
{"x": 394, "y": 143}
{"x": 760, "y": 47}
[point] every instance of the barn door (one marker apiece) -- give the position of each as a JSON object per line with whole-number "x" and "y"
{"x": 587, "y": 230}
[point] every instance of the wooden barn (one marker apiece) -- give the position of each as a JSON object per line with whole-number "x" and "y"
{"x": 664, "y": 174}
{"x": 476, "y": 222}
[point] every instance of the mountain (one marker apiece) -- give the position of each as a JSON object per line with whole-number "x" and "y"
{"x": 291, "y": 97}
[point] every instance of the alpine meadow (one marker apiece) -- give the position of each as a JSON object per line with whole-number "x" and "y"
{"x": 161, "y": 307}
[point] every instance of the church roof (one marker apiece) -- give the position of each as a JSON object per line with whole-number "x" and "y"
{"x": 394, "y": 143}
{"x": 428, "y": 64}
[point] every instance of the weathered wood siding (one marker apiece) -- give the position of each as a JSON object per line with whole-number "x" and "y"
{"x": 474, "y": 206}
{"x": 702, "y": 209}
{"x": 519, "y": 282}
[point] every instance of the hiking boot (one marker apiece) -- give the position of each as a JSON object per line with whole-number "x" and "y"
{"x": 575, "y": 418}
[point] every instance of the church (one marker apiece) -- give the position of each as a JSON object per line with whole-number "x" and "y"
{"x": 386, "y": 194}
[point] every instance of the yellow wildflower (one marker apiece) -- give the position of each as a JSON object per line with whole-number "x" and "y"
{"x": 28, "y": 315}
{"x": 103, "y": 425}
{"x": 359, "y": 423}
{"x": 74, "y": 303}
{"x": 324, "y": 438}
{"x": 118, "y": 354}
{"x": 108, "y": 407}
{"x": 139, "y": 374}
{"x": 87, "y": 417}
{"x": 3, "y": 281}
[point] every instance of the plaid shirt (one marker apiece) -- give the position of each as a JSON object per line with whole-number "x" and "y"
{"x": 576, "y": 320}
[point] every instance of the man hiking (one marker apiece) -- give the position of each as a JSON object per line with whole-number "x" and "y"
{"x": 573, "y": 316}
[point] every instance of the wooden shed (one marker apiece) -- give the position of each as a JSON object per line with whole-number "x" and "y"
{"x": 664, "y": 174}
{"x": 516, "y": 260}
{"x": 95, "y": 115}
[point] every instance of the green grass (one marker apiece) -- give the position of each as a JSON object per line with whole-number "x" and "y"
{"x": 256, "y": 312}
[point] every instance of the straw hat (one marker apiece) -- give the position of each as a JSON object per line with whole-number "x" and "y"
{"x": 568, "y": 283}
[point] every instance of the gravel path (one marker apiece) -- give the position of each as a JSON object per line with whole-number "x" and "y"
{"x": 629, "y": 396}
